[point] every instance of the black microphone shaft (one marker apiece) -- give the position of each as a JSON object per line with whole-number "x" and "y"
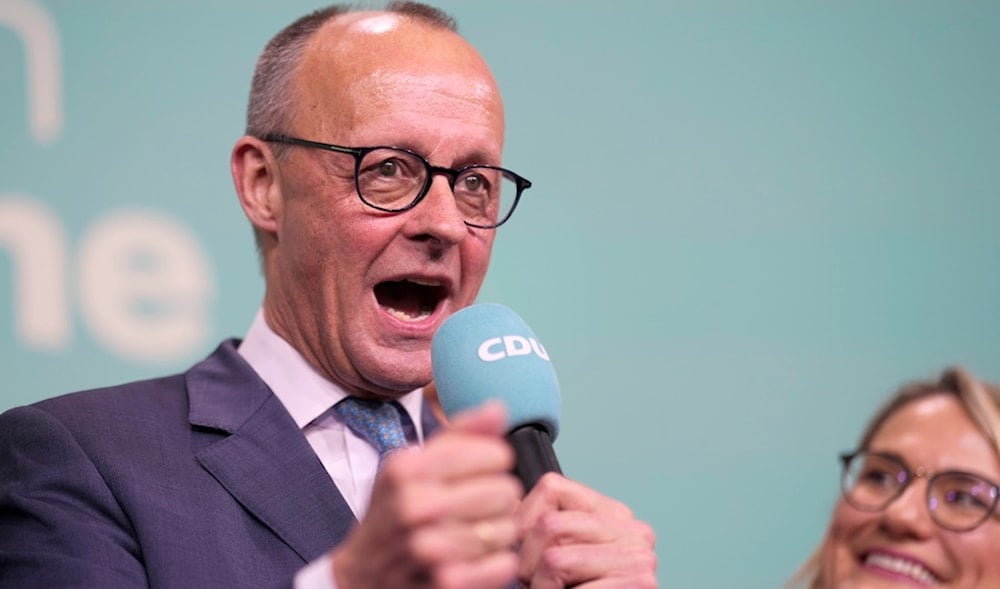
{"x": 534, "y": 454}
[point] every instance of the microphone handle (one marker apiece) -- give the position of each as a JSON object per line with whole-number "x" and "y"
{"x": 533, "y": 453}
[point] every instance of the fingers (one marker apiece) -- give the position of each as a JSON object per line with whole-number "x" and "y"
{"x": 574, "y": 548}
{"x": 472, "y": 444}
{"x": 557, "y": 493}
{"x": 573, "y": 535}
{"x": 593, "y": 567}
{"x": 424, "y": 501}
{"x": 442, "y": 515}
{"x": 463, "y": 472}
{"x": 461, "y": 540}
{"x": 495, "y": 571}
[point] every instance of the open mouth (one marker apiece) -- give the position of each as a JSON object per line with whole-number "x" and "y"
{"x": 410, "y": 299}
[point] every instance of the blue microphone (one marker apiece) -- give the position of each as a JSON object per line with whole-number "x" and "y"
{"x": 486, "y": 351}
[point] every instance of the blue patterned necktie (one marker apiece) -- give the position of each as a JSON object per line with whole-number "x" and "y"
{"x": 375, "y": 421}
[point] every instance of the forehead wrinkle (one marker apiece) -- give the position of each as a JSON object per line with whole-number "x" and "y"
{"x": 428, "y": 95}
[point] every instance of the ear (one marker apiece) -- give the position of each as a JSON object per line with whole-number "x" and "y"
{"x": 256, "y": 177}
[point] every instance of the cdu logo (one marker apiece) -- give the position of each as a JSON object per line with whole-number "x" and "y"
{"x": 498, "y": 348}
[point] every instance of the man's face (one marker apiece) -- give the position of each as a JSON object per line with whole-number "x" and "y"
{"x": 358, "y": 291}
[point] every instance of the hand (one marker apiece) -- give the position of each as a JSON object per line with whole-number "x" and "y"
{"x": 440, "y": 516}
{"x": 575, "y": 537}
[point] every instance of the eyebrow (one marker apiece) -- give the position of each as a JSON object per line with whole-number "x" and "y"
{"x": 889, "y": 454}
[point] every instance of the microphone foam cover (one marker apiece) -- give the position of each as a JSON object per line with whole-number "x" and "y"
{"x": 486, "y": 351}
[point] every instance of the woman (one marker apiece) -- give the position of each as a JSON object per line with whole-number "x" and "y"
{"x": 919, "y": 497}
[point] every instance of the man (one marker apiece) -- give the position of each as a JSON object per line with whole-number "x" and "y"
{"x": 222, "y": 476}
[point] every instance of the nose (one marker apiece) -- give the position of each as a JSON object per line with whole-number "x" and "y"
{"x": 437, "y": 217}
{"x": 908, "y": 515}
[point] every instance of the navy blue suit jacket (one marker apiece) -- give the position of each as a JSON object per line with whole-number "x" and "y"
{"x": 200, "y": 479}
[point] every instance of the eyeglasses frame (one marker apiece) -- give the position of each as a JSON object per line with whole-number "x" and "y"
{"x": 452, "y": 174}
{"x": 911, "y": 475}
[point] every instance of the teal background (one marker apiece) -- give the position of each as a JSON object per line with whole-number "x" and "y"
{"x": 750, "y": 221}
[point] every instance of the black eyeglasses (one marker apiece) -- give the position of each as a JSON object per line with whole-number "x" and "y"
{"x": 394, "y": 180}
{"x": 957, "y": 501}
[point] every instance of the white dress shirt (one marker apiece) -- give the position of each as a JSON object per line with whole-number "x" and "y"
{"x": 309, "y": 397}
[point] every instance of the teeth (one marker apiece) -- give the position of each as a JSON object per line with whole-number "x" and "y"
{"x": 903, "y": 567}
{"x": 423, "y": 282}
{"x": 404, "y": 316}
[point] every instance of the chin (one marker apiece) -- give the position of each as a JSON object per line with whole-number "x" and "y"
{"x": 401, "y": 376}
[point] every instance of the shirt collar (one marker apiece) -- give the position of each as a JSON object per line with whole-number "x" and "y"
{"x": 305, "y": 393}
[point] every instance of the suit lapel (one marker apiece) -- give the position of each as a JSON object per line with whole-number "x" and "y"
{"x": 265, "y": 463}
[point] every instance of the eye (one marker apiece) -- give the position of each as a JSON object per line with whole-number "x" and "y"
{"x": 963, "y": 499}
{"x": 877, "y": 473}
{"x": 387, "y": 163}
{"x": 965, "y": 492}
{"x": 877, "y": 476}
{"x": 474, "y": 183}
{"x": 389, "y": 168}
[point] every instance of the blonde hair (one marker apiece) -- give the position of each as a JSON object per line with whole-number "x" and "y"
{"x": 980, "y": 399}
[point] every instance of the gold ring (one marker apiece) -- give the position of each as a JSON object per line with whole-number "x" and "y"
{"x": 487, "y": 534}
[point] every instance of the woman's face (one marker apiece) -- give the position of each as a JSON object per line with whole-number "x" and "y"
{"x": 901, "y": 546}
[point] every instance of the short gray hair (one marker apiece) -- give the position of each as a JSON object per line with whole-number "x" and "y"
{"x": 272, "y": 101}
